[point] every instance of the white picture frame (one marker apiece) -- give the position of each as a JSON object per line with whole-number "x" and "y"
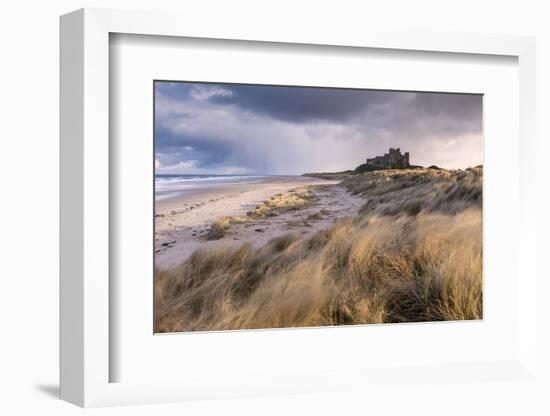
{"x": 86, "y": 356}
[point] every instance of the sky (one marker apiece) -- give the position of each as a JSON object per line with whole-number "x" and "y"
{"x": 203, "y": 128}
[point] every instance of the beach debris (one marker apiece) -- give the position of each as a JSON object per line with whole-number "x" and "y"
{"x": 168, "y": 243}
{"x": 159, "y": 215}
{"x": 259, "y": 230}
{"x": 314, "y": 217}
{"x": 215, "y": 233}
{"x": 222, "y": 225}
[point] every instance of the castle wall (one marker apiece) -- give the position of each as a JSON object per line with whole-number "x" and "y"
{"x": 392, "y": 159}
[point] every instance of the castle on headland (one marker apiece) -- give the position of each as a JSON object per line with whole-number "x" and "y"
{"x": 391, "y": 160}
{"x": 394, "y": 159}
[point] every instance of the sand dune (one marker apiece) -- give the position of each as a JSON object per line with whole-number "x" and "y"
{"x": 380, "y": 247}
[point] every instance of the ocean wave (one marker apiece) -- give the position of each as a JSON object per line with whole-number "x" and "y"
{"x": 169, "y": 186}
{"x": 203, "y": 178}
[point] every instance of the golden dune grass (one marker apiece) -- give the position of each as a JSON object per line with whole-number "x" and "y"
{"x": 414, "y": 253}
{"x": 294, "y": 200}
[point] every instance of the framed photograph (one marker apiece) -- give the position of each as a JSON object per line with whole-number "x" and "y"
{"x": 269, "y": 212}
{"x": 267, "y": 216}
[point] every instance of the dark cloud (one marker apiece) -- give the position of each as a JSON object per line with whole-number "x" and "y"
{"x": 299, "y": 104}
{"x": 459, "y": 113}
{"x": 460, "y": 106}
{"x": 207, "y": 151}
{"x": 424, "y": 116}
{"x": 272, "y": 129}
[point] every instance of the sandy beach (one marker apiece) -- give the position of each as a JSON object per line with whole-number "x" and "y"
{"x": 182, "y": 222}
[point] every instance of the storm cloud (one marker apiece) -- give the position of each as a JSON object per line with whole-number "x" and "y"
{"x": 256, "y": 129}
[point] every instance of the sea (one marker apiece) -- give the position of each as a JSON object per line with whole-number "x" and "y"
{"x": 172, "y": 185}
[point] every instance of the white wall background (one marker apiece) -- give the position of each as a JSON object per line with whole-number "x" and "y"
{"x": 29, "y": 206}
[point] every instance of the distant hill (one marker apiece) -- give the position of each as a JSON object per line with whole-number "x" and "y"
{"x": 331, "y": 175}
{"x": 370, "y": 168}
{"x": 364, "y": 168}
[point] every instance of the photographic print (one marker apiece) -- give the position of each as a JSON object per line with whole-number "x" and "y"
{"x": 290, "y": 206}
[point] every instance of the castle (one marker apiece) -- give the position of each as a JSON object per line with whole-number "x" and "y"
{"x": 392, "y": 160}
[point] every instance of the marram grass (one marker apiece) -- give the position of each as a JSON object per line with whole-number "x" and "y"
{"x": 412, "y": 254}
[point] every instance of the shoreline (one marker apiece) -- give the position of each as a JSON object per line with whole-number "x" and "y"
{"x": 182, "y": 222}
{"x": 166, "y": 191}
